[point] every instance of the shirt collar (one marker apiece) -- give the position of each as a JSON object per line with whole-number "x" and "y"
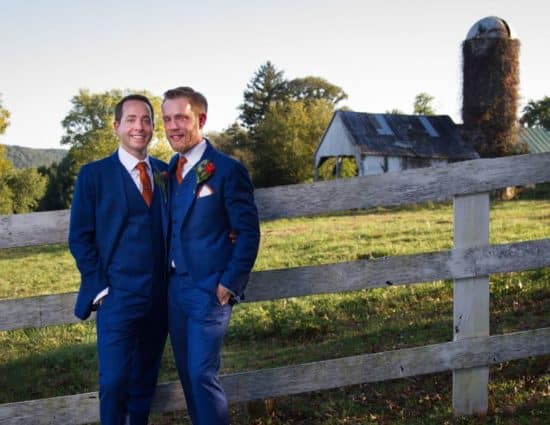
{"x": 129, "y": 161}
{"x": 194, "y": 154}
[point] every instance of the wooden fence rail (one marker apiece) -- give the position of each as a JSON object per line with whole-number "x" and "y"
{"x": 470, "y": 263}
{"x": 340, "y": 277}
{"x": 295, "y": 379}
{"x": 385, "y": 190}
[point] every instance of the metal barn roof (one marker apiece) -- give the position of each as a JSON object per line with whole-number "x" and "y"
{"x": 537, "y": 139}
{"x": 433, "y": 136}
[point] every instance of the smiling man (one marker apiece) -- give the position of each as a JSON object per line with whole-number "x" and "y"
{"x": 211, "y": 197}
{"x": 117, "y": 236}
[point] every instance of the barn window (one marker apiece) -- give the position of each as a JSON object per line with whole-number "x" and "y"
{"x": 382, "y": 127}
{"x": 428, "y": 126}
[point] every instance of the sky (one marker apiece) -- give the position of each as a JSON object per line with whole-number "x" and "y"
{"x": 382, "y": 53}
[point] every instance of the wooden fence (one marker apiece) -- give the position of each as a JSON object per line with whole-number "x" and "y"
{"x": 469, "y": 263}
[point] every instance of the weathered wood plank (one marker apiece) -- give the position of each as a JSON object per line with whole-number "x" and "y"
{"x": 34, "y": 228}
{"x": 407, "y": 187}
{"x": 473, "y": 352}
{"x": 340, "y": 277}
{"x": 471, "y": 303}
{"x": 38, "y": 311}
{"x": 390, "y": 189}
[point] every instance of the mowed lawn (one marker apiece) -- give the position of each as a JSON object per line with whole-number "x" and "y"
{"x": 61, "y": 360}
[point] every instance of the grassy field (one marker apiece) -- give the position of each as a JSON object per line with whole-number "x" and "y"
{"x": 59, "y": 360}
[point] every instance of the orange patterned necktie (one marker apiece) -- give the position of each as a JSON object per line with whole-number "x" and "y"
{"x": 146, "y": 189}
{"x": 179, "y": 169}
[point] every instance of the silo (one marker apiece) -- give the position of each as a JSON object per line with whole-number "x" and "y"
{"x": 490, "y": 87}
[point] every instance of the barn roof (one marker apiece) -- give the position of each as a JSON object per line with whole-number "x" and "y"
{"x": 537, "y": 139}
{"x": 427, "y": 136}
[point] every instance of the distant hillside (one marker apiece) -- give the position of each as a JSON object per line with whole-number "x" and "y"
{"x": 23, "y": 157}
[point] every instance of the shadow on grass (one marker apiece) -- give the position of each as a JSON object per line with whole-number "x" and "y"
{"x": 64, "y": 371}
{"x": 32, "y": 251}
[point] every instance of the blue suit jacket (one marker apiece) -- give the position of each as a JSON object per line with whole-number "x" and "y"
{"x": 207, "y": 220}
{"x": 98, "y": 214}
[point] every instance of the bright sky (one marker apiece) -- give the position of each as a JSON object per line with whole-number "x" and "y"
{"x": 382, "y": 53}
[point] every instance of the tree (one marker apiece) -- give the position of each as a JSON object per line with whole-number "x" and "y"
{"x": 282, "y": 122}
{"x": 28, "y": 187}
{"x": 290, "y": 133}
{"x": 6, "y": 194}
{"x": 6, "y": 167}
{"x": 266, "y": 86}
{"x": 4, "y": 118}
{"x": 234, "y": 141}
{"x": 314, "y": 88}
{"x": 537, "y": 113}
{"x": 423, "y": 104}
{"x": 395, "y": 111}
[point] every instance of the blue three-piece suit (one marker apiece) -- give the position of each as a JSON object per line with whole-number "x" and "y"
{"x": 119, "y": 242}
{"x": 205, "y": 208}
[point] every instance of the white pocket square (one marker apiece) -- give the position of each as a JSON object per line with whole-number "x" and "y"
{"x": 205, "y": 190}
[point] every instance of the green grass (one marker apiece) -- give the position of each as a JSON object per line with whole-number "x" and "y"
{"x": 59, "y": 360}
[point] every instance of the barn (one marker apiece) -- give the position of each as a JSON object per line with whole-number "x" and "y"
{"x": 382, "y": 143}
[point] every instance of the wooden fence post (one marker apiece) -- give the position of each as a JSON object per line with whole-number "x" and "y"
{"x": 471, "y": 303}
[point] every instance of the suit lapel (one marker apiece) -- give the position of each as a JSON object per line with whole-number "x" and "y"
{"x": 163, "y": 193}
{"x": 171, "y": 170}
{"x": 115, "y": 182}
{"x": 188, "y": 188}
{"x": 189, "y": 183}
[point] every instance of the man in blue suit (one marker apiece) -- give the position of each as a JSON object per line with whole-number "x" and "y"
{"x": 117, "y": 235}
{"x": 211, "y": 196}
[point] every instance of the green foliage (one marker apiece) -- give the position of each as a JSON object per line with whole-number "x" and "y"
{"x": 90, "y": 119}
{"x": 61, "y": 180}
{"x": 423, "y": 104}
{"x": 537, "y": 113}
{"x": 395, "y": 111}
{"x": 315, "y": 88}
{"x": 285, "y": 121}
{"x": 266, "y": 86}
{"x": 4, "y": 118}
{"x": 23, "y": 157}
{"x": 20, "y": 190}
{"x": 5, "y": 165}
{"x": 6, "y": 195}
{"x": 234, "y": 141}
{"x": 269, "y": 86}
{"x": 286, "y": 140}
{"x": 28, "y": 187}
{"x": 328, "y": 169}
{"x": 161, "y": 149}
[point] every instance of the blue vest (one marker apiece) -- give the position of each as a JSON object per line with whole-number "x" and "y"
{"x": 138, "y": 261}
{"x": 177, "y": 192}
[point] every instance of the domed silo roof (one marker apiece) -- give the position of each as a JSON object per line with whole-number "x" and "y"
{"x": 491, "y": 27}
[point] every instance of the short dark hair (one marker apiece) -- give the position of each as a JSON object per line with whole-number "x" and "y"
{"x": 140, "y": 97}
{"x": 195, "y": 98}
